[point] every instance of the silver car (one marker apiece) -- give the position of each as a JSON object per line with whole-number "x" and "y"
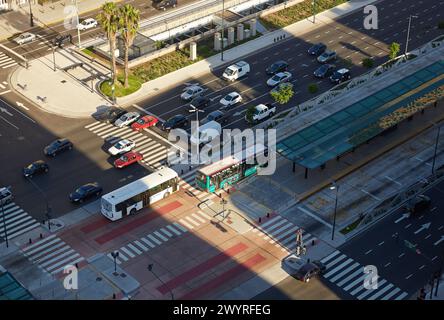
{"x": 25, "y": 38}
{"x": 126, "y": 119}
{"x": 5, "y": 196}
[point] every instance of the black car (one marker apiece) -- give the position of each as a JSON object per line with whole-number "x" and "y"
{"x": 340, "y": 76}
{"x": 278, "y": 66}
{"x": 57, "y": 146}
{"x": 307, "y": 271}
{"x": 36, "y": 167}
{"x": 317, "y": 49}
{"x": 61, "y": 39}
{"x": 200, "y": 102}
{"x": 418, "y": 205}
{"x": 86, "y": 191}
{"x": 164, "y": 4}
{"x": 110, "y": 115}
{"x": 324, "y": 71}
{"x": 177, "y": 121}
{"x": 217, "y": 115}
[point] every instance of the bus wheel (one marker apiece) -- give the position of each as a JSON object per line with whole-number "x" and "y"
{"x": 166, "y": 195}
{"x": 133, "y": 211}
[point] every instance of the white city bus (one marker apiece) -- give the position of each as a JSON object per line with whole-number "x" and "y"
{"x": 139, "y": 194}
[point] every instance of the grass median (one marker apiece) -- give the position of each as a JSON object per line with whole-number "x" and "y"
{"x": 120, "y": 90}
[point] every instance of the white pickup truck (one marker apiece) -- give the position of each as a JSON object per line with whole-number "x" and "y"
{"x": 261, "y": 112}
{"x": 235, "y": 71}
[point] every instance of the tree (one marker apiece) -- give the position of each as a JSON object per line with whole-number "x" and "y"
{"x": 283, "y": 94}
{"x": 312, "y": 88}
{"x": 394, "y": 50}
{"x": 109, "y": 21}
{"x": 249, "y": 114}
{"x": 129, "y": 18}
{"x": 441, "y": 25}
{"x": 367, "y": 62}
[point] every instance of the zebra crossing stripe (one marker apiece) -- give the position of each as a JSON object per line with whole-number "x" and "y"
{"x": 9, "y": 65}
{"x": 332, "y": 263}
{"x": 142, "y": 137}
{"x": 192, "y": 221}
{"x": 102, "y": 128}
{"x": 132, "y": 247}
{"x": 147, "y": 242}
{"x": 261, "y": 227}
{"x": 122, "y": 256}
{"x": 353, "y": 275}
{"x": 370, "y": 291}
{"x": 2, "y": 86}
{"x": 354, "y": 283}
{"x": 380, "y": 292}
{"x": 125, "y": 250}
{"x": 111, "y": 134}
{"x": 150, "y": 146}
{"x": 62, "y": 263}
{"x": 402, "y": 296}
{"x": 205, "y": 215}
{"x": 198, "y": 218}
{"x": 169, "y": 234}
{"x": 154, "y": 239}
{"x": 275, "y": 226}
{"x": 391, "y": 294}
{"x": 26, "y": 249}
{"x": 17, "y": 231}
{"x": 337, "y": 268}
{"x": 282, "y": 228}
{"x": 180, "y": 226}
{"x": 344, "y": 272}
{"x": 140, "y": 245}
{"x": 50, "y": 261}
{"x": 14, "y": 216}
{"x": 173, "y": 230}
{"x": 41, "y": 256}
{"x": 93, "y": 125}
{"x": 161, "y": 236}
{"x": 71, "y": 263}
{"x": 286, "y": 233}
{"x": 335, "y": 253}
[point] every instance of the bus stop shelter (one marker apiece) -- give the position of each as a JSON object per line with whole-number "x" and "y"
{"x": 356, "y": 124}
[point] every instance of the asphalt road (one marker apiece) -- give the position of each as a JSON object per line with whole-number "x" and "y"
{"x": 45, "y": 35}
{"x": 346, "y": 36}
{"x": 405, "y": 267}
{"x": 292, "y": 289}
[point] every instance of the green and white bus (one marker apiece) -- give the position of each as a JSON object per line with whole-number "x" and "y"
{"x": 229, "y": 170}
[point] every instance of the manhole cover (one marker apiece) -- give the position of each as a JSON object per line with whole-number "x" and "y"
{"x": 98, "y": 279}
{"x": 123, "y": 275}
{"x": 63, "y": 81}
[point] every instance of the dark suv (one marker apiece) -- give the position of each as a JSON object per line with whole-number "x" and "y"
{"x": 418, "y": 205}
{"x": 61, "y": 39}
{"x": 317, "y": 49}
{"x": 217, "y": 116}
{"x": 57, "y": 146}
{"x": 200, "y": 102}
{"x": 36, "y": 167}
{"x": 307, "y": 271}
{"x": 110, "y": 115}
{"x": 278, "y": 66}
{"x": 340, "y": 75}
{"x": 164, "y": 4}
{"x": 177, "y": 121}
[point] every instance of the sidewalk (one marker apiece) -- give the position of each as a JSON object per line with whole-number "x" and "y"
{"x": 66, "y": 103}
{"x": 18, "y": 20}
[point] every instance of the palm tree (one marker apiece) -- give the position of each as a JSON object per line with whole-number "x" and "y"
{"x": 109, "y": 20}
{"x": 129, "y": 18}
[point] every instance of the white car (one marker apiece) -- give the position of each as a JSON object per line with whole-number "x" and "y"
{"x": 278, "y": 78}
{"x": 87, "y": 24}
{"x": 231, "y": 99}
{"x": 122, "y": 146}
{"x": 191, "y": 92}
{"x": 25, "y": 38}
{"x": 126, "y": 119}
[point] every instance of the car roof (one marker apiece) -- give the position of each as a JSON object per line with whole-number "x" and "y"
{"x": 343, "y": 70}
{"x": 89, "y": 20}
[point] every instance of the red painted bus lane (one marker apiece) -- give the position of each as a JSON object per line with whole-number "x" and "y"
{"x": 224, "y": 277}
{"x": 145, "y": 218}
{"x": 202, "y": 268}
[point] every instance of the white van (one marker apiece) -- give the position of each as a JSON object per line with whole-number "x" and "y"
{"x": 235, "y": 71}
{"x": 207, "y": 132}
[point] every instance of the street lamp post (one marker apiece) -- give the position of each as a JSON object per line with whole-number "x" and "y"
{"x": 150, "y": 268}
{"x": 4, "y": 225}
{"x": 222, "y": 38}
{"x": 436, "y": 149}
{"x": 334, "y": 186}
{"x": 408, "y": 34}
{"x": 53, "y": 57}
{"x": 196, "y": 111}
{"x": 223, "y": 202}
{"x": 77, "y": 26}
{"x": 314, "y": 10}
{"x": 48, "y": 208}
{"x": 31, "y": 16}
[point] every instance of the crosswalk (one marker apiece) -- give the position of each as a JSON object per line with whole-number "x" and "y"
{"x": 349, "y": 275}
{"x": 3, "y": 85}
{"x": 148, "y": 242}
{"x": 154, "y": 153}
{"x": 16, "y": 220}
{"x": 281, "y": 232}
{"x": 6, "y": 61}
{"x": 52, "y": 254}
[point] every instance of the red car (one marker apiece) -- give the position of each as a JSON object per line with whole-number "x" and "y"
{"x": 144, "y": 122}
{"x": 127, "y": 159}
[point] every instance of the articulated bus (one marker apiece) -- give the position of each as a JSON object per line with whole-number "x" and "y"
{"x": 139, "y": 194}
{"x": 229, "y": 170}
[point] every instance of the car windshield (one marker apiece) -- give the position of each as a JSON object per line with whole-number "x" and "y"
{"x": 120, "y": 145}
{"x": 141, "y": 121}
{"x": 124, "y": 158}
{"x": 82, "y": 190}
{"x": 31, "y": 166}
{"x": 229, "y": 71}
{"x": 276, "y": 78}
{"x": 229, "y": 97}
{"x": 190, "y": 91}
